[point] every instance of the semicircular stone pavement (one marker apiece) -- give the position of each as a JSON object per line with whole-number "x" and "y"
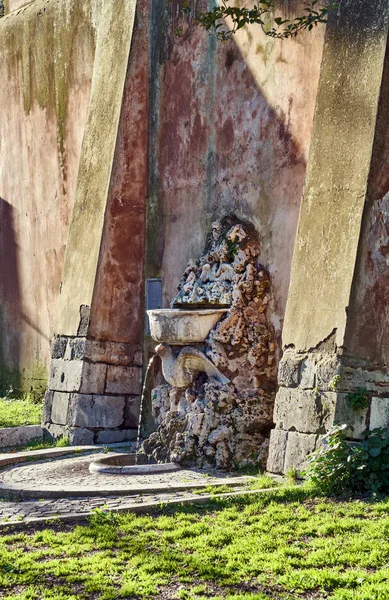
{"x": 70, "y": 476}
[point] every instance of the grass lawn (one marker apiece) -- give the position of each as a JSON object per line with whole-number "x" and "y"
{"x": 284, "y": 544}
{"x": 19, "y": 412}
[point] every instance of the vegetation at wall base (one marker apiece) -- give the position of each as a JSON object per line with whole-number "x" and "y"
{"x": 62, "y": 442}
{"x": 358, "y": 400}
{"x": 18, "y": 412}
{"x": 340, "y": 466}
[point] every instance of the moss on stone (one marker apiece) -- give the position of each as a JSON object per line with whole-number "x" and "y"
{"x": 39, "y": 42}
{"x": 32, "y": 382}
{"x": 9, "y": 379}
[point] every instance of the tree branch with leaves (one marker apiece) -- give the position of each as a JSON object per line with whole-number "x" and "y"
{"x": 261, "y": 13}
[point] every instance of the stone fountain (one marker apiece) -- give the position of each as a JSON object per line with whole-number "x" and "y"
{"x": 171, "y": 327}
{"x": 218, "y": 352}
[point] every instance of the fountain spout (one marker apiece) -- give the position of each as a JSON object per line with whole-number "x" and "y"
{"x": 181, "y": 370}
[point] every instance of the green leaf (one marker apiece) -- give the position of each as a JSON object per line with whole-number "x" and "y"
{"x": 374, "y": 451}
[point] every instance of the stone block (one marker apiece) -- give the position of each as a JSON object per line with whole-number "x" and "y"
{"x": 47, "y": 405}
{"x": 54, "y": 432}
{"x": 113, "y": 353}
{"x": 75, "y": 349}
{"x": 79, "y": 436}
{"x": 298, "y": 446}
{"x": 131, "y": 412}
{"x": 327, "y": 368}
{"x": 106, "y": 412}
{"x": 93, "y": 378}
{"x": 84, "y": 320}
{"x": 355, "y": 419}
{"x": 289, "y": 370}
{"x": 277, "y": 450}
{"x": 361, "y": 377}
{"x": 138, "y": 358}
{"x": 379, "y": 413}
{"x": 58, "y": 347}
{"x": 124, "y": 380}
{"x": 59, "y": 410}
{"x": 65, "y": 375}
{"x": 111, "y": 436}
{"x": 20, "y": 436}
{"x": 304, "y": 410}
{"x": 307, "y": 374}
{"x": 131, "y": 435}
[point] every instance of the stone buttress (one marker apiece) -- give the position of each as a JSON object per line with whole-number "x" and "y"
{"x": 96, "y": 368}
{"x": 336, "y": 321}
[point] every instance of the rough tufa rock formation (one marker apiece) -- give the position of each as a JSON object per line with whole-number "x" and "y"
{"x": 211, "y": 423}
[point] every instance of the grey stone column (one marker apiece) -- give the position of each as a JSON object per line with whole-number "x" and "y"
{"x": 321, "y": 365}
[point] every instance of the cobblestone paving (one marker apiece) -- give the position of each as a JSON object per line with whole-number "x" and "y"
{"x": 73, "y": 474}
{"x": 28, "y": 511}
{"x": 128, "y": 492}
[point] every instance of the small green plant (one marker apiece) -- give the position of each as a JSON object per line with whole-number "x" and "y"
{"x": 212, "y": 489}
{"x": 334, "y": 383}
{"x": 62, "y": 442}
{"x": 262, "y": 482}
{"x": 232, "y": 247}
{"x": 339, "y": 466}
{"x": 329, "y": 466}
{"x": 53, "y": 521}
{"x": 292, "y": 474}
{"x": 101, "y": 516}
{"x": 358, "y": 400}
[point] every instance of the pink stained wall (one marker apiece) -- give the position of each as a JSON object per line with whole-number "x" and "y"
{"x": 47, "y": 55}
{"x": 368, "y": 328}
{"x": 230, "y": 133}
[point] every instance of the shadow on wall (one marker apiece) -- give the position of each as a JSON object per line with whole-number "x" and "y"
{"x": 367, "y": 335}
{"x": 10, "y": 302}
{"x": 229, "y": 133}
{"x": 218, "y": 146}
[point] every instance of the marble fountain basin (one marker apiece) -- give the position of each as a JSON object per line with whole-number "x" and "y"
{"x": 126, "y": 464}
{"x": 180, "y": 327}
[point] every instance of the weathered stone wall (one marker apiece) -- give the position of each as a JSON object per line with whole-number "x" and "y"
{"x": 368, "y": 332}
{"x": 55, "y": 197}
{"x": 96, "y": 369}
{"x": 94, "y": 390}
{"x": 336, "y": 316}
{"x": 229, "y": 132}
{"x": 47, "y": 55}
{"x": 11, "y": 5}
{"x": 230, "y": 127}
